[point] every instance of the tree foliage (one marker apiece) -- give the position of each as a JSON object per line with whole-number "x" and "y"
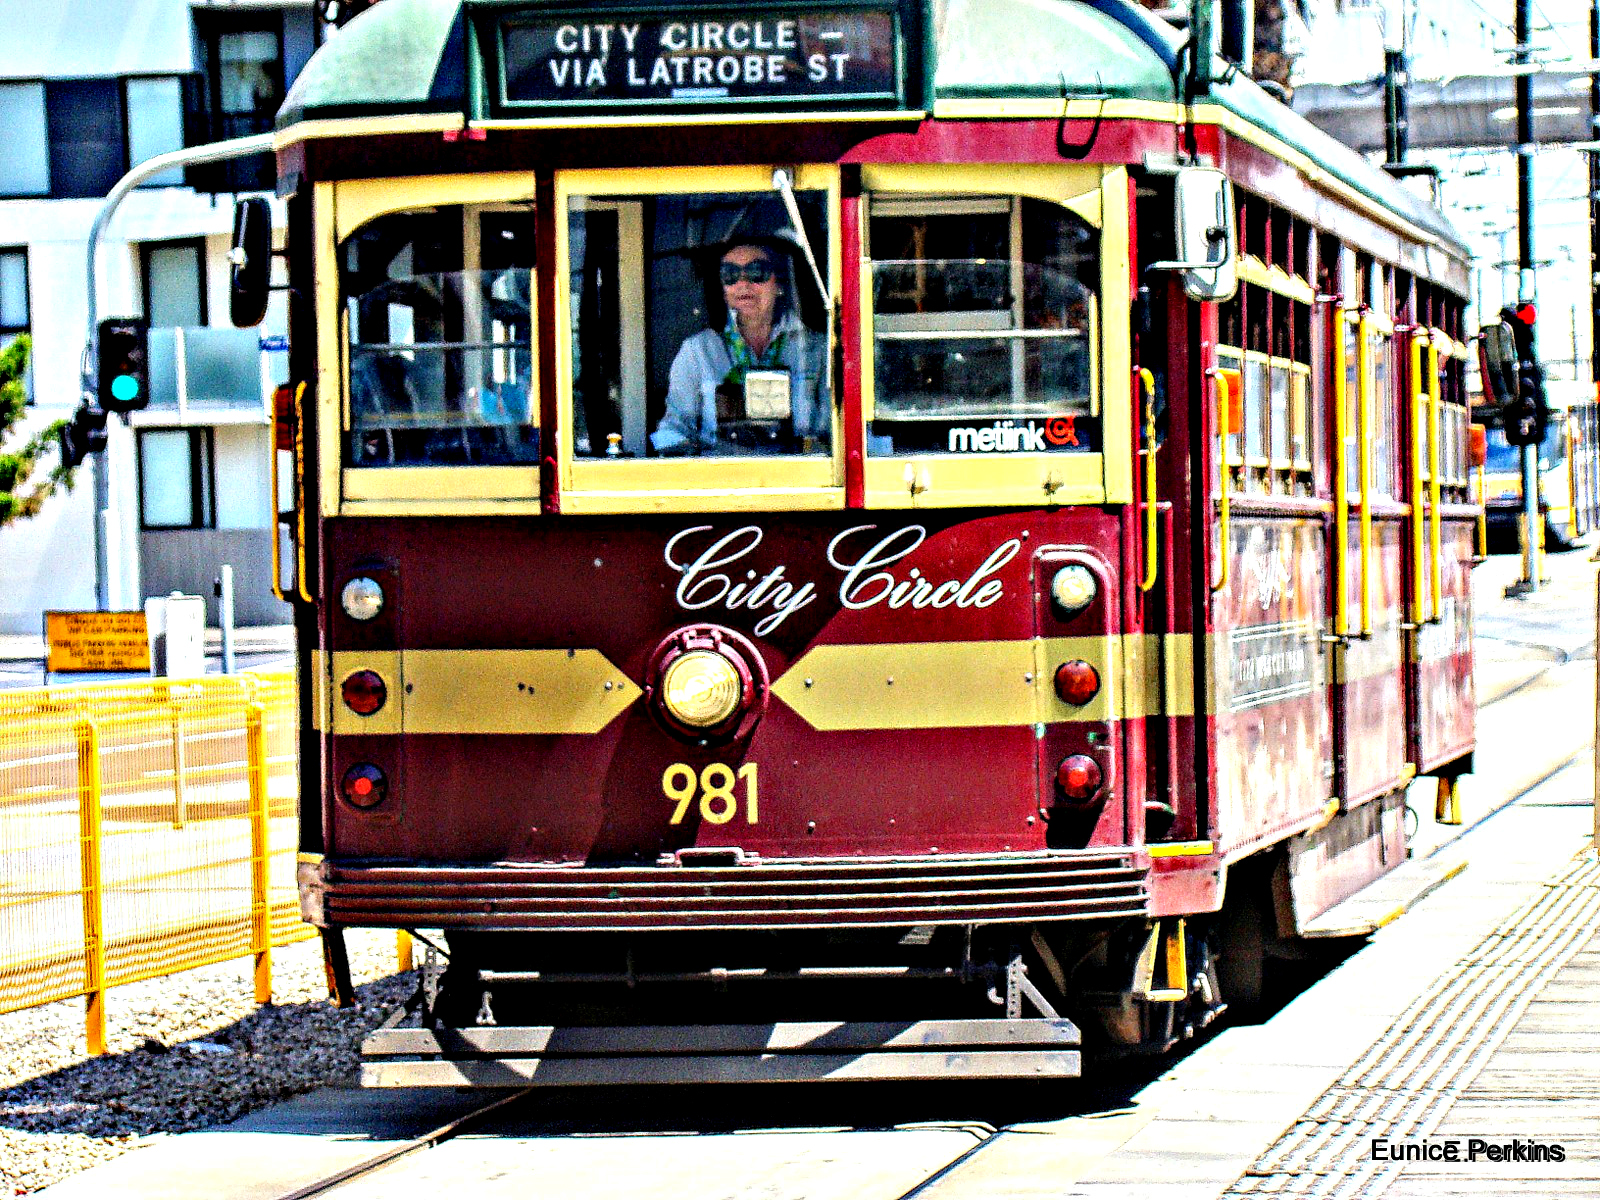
{"x": 23, "y": 487}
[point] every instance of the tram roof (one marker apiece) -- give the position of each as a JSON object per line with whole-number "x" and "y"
{"x": 410, "y": 56}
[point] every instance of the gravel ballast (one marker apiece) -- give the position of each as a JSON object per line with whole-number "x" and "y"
{"x": 184, "y": 1052}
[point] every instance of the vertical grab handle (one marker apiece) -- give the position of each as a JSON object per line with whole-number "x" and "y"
{"x": 1224, "y": 405}
{"x": 1341, "y": 479}
{"x": 1151, "y": 566}
{"x": 1416, "y": 392}
{"x": 1364, "y": 446}
{"x": 1435, "y": 533}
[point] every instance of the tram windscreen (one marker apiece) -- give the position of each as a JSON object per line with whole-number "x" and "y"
{"x": 984, "y": 327}
{"x": 697, "y": 326}
{"x": 440, "y": 327}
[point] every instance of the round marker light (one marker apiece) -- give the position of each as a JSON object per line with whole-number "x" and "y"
{"x": 364, "y": 786}
{"x": 1072, "y": 590}
{"x": 701, "y": 689}
{"x": 362, "y": 598}
{"x": 1078, "y": 776}
{"x": 364, "y": 692}
{"x": 1077, "y": 682}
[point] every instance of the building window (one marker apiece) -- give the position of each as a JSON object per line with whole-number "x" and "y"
{"x": 88, "y": 153}
{"x": 25, "y": 166}
{"x": 174, "y": 283}
{"x": 154, "y": 108}
{"x": 176, "y": 486}
{"x": 241, "y": 90}
{"x": 14, "y": 309}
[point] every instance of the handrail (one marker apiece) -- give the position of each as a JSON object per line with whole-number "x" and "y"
{"x": 1483, "y": 515}
{"x": 1151, "y": 566}
{"x": 1224, "y": 403}
{"x": 1415, "y": 393}
{"x": 1364, "y": 437}
{"x": 1572, "y": 476}
{"x": 1341, "y": 481}
{"x": 277, "y": 515}
{"x": 300, "y": 494}
{"x": 1436, "y": 539}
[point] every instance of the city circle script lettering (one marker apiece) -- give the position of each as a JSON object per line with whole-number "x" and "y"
{"x": 765, "y": 54}
{"x": 714, "y": 573}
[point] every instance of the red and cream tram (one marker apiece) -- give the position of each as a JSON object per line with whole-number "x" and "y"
{"x": 842, "y": 540}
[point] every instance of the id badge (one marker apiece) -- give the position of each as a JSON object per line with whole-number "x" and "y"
{"x": 766, "y": 396}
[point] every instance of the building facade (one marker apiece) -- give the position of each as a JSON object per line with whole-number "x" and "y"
{"x": 101, "y": 86}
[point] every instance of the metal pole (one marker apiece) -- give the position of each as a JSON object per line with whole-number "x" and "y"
{"x": 1594, "y": 199}
{"x": 1532, "y": 526}
{"x": 244, "y": 147}
{"x": 225, "y": 613}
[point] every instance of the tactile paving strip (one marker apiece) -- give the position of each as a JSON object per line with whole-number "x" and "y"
{"x": 1408, "y": 1079}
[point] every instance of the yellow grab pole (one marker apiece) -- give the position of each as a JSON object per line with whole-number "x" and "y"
{"x": 255, "y": 758}
{"x": 1417, "y": 539}
{"x": 1341, "y": 482}
{"x": 1148, "y": 380}
{"x": 1224, "y": 401}
{"x": 1483, "y": 515}
{"x": 1436, "y": 540}
{"x": 89, "y": 848}
{"x": 1364, "y": 440}
{"x": 402, "y": 949}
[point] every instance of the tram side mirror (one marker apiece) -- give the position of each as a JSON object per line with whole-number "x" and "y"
{"x": 1498, "y": 363}
{"x": 1206, "y": 238}
{"x": 251, "y": 262}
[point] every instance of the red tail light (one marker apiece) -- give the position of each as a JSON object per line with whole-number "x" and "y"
{"x": 1079, "y": 777}
{"x": 364, "y": 692}
{"x": 1077, "y": 682}
{"x": 364, "y": 786}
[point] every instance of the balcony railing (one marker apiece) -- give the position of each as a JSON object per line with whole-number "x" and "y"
{"x": 201, "y": 372}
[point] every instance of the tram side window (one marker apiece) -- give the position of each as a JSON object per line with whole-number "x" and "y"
{"x": 984, "y": 326}
{"x": 697, "y": 328}
{"x": 438, "y": 306}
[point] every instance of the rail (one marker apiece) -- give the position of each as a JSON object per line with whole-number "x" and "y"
{"x": 145, "y": 828}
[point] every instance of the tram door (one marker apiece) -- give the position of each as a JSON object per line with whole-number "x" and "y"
{"x": 1368, "y": 543}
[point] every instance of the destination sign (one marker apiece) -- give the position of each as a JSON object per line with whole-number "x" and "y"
{"x": 764, "y": 55}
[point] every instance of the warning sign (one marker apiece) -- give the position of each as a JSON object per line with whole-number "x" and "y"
{"x": 97, "y": 641}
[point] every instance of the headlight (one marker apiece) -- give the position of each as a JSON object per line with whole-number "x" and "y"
{"x": 1073, "y": 590}
{"x": 362, "y": 598}
{"x": 701, "y": 689}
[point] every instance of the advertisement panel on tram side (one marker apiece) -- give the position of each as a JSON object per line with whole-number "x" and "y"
{"x": 1273, "y": 725}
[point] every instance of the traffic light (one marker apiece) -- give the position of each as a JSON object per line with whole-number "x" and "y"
{"x": 82, "y": 436}
{"x": 1526, "y": 413}
{"x": 124, "y": 377}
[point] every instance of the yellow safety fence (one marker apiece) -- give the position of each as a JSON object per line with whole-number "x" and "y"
{"x": 145, "y": 828}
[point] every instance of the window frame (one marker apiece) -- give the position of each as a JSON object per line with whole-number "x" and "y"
{"x": 694, "y": 483}
{"x": 341, "y": 208}
{"x": 44, "y": 112}
{"x": 198, "y": 244}
{"x": 202, "y": 477}
{"x": 1098, "y": 194}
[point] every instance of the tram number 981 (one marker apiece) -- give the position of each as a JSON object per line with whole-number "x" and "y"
{"x": 715, "y": 787}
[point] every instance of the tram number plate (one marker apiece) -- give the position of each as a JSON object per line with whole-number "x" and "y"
{"x": 716, "y": 786}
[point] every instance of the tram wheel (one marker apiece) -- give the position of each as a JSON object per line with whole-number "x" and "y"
{"x": 1241, "y": 951}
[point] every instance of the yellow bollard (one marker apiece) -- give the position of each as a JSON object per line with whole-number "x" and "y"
{"x": 255, "y": 758}
{"x": 1447, "y": 808}
{"x": 89, "y": 834}
{"x": 402, "y": 947}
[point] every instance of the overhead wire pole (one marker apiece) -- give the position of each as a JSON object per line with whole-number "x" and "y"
{"x": 194, "y": 156}
{"x": 1594, "y": 200}
{"x": 1533, "y": 525}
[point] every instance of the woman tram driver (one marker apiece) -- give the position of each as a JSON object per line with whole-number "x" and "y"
{"x": 760, "y": 384}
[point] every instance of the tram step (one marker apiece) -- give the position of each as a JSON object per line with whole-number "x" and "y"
{"x": 1383, "y": 900}
{"x": 784, "y": 1052}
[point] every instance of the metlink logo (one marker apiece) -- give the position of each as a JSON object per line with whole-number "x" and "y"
{"x": 1012, "y": 437}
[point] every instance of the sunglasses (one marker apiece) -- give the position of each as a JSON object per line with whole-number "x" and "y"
{"x": 758, "y": 271}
